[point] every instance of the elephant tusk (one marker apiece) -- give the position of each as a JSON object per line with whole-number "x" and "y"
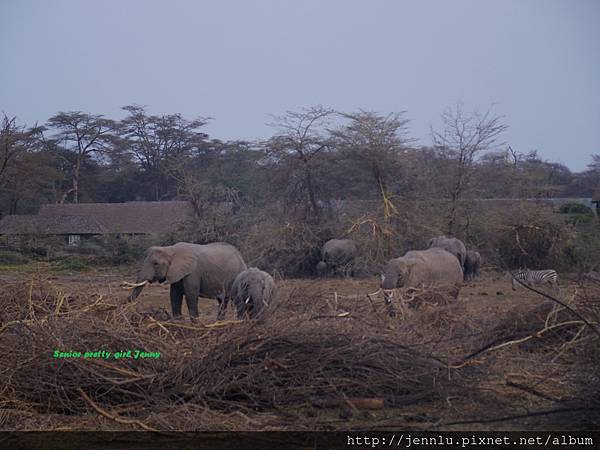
{"x": 389, "y": 294}
{"x": 374, "y": 293}
{"x": 247, "y": 300}
{"x": 128, "y": 285}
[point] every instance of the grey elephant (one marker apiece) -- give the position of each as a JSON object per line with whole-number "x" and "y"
{"x": 434, "y": 267}
{"x": 252, "y": 291}
{"x": 335, "y": 254}
{"x": 192, "y": 270}
{"x": 452, "y": 245}
{"x": 472, "y": 265}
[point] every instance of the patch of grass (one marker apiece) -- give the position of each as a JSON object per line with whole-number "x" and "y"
{"x": 71, "y": 264}
{"x": 13, "y": 258}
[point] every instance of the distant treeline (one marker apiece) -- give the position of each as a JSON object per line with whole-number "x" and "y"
{"x": 314, "y": 156}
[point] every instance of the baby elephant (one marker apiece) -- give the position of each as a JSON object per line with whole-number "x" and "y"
{"x": 252, "y": 290}
{"x": 472, "y": 265}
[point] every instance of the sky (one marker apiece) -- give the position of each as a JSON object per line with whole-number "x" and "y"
{"x": 535, "y": 62}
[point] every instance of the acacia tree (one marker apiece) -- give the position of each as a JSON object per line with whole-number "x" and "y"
{"x": 300, "y": 140}
{"x": 25, "y": 174}
{"x": 156, "y": 141}
{"x": 14, "y": 141}
{"x": 83, "y": 135}
{"x": 463, "y": 138}
{"x": 28, "y": 182}
{"x": 375, "y": 143}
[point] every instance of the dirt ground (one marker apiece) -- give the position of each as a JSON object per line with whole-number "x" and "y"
{"x": 488, "y": 297}
{"x": 490, "y": 293}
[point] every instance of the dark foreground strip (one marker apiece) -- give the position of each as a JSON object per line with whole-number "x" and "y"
{"x": 300, "y": 440}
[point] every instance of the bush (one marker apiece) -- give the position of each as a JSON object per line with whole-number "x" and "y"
{"x": 575, "y": 208}
{"x": 292, "y": 248}
{"x": 525, "y": 235}
{"x": 126, "y": 249}
{"x": 115, "y": 249}
{"x": 8, "y": 257}
{"x": 586, "y": 249}
{"x": 577, "y": 213}
{"x": 71, "y": 263}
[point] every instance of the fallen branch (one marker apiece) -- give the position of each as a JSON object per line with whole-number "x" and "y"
{"x": 114, "y": 417}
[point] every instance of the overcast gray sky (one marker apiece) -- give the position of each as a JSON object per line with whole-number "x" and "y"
{"x": 238, "y": 61}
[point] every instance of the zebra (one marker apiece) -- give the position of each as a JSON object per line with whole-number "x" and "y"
{"x": 535, "y": 277}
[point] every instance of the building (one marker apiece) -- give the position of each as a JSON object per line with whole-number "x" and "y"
{"x": 77, "y": 220}
{"x": 596, "y": 200}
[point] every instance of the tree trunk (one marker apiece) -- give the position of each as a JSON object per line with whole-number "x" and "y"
{"x": 311, "y": 194}
{"x": 75, "y": 190}
{"x": 76, "y": 180}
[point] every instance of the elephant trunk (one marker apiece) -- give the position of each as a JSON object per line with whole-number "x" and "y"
{"x": 256, "y": 297}
{"x": 138, "y": 287}
{"x": 135, "y": 293}
{"x": 321, "y": 268}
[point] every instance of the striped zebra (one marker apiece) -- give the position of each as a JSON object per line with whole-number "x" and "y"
{"x": 530, "y": 277}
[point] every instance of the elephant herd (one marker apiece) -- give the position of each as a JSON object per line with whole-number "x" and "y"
{"x": 218, "y": 271}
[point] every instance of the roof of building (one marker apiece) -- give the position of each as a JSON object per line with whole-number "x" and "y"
{"x": 99, "y": 218}
{"x": 127, "y": 218}
{"x": 30, "y": 224}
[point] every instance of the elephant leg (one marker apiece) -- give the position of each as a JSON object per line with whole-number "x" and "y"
{"x": 240, "y": 308}
{"x": 192, "y": 303}
{"x": 176, "y": 294}
{"x": 191, "y": 291}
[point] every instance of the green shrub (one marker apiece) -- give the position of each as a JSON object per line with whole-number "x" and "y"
{"x": 8, "y": 257}
{"x": 71, "y": 263}
{"x": 575, "y": 208}
{"x": 576, "y": 213}
{"x": 129, "y": 249}
{"x": 586, "y": 248}
{"x": 116, "y": 249}
{"x": 525, "y": 234}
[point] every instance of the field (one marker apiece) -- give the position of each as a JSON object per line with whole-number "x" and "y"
{"x": 327, "y": 357}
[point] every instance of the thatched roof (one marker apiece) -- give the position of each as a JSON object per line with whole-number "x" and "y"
{"x": 127, "y": 218}
{"x": 28, "y": 224}
{"x": 99, "y": 218}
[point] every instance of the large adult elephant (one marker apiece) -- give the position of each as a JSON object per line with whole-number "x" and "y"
{"x": 452, "y": 245}
{"x": 192, "y": 270}
{"x": 336, "y": 253}
{"x": 434, "y": 267}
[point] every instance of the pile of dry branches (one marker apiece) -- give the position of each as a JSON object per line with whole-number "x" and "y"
{"x": 312, "y": 359}
{"x": 229, "y": 375}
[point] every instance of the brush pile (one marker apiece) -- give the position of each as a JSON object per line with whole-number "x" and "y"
{"x": 227, "y": 375}
{"x": 313, "y": 362}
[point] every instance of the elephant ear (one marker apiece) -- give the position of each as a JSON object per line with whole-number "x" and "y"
{"x": 183, "y": 261}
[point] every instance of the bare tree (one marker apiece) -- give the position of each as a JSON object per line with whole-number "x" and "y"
{"x": 82, "y": 134}
{"x": 301, "y": 138}
{"x": 463, "y": 138}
